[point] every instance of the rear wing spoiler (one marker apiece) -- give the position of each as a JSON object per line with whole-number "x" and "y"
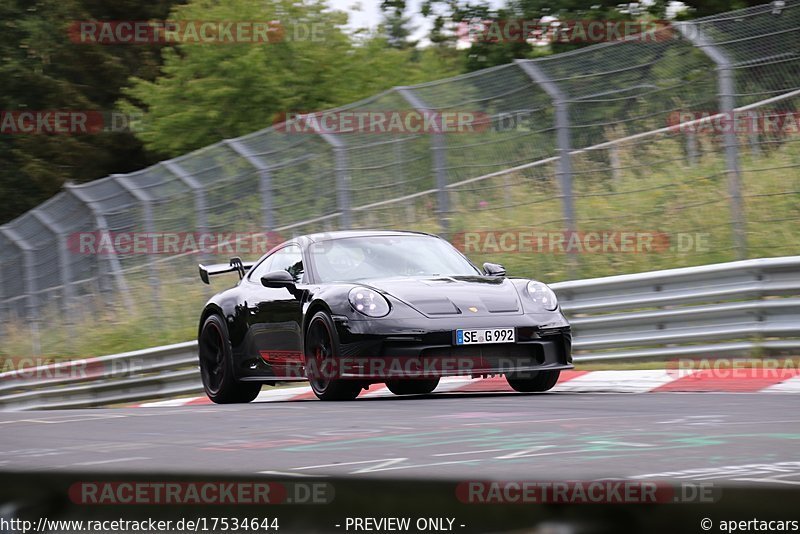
{"x": 236, "y": 265}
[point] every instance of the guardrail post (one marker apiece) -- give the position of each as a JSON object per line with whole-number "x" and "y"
{"x": 147, "y": 211}
{"x": 438, "y": 156}
{"x": 64, "y": 265}
{"x": 264, "y": 181}
{"x": 197, "y": 190}
{"x": 561, "y": 106}
{"x": 28, "y": 268}
{"x": 102, "y": 227}
{"x": 727, "y": 103}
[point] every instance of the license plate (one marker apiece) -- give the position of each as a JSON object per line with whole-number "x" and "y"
{"x": 486, "y": 335}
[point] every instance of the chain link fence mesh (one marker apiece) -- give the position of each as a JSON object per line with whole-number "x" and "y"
{"x": 637, "y": 160}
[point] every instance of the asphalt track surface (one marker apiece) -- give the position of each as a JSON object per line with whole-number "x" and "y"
{"x": 736, "y": 438}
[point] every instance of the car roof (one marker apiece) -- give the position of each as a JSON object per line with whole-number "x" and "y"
{"x": 344, "y": 234}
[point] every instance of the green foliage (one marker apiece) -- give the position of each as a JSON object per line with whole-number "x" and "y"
{"x": 396, "y": 24}
{"x": 211, "y": 92}
{"x": 41, "y": 69}
{"x": 704, "y": 8}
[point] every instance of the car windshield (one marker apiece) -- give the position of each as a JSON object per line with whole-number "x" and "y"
{"x": 360, "y": 258}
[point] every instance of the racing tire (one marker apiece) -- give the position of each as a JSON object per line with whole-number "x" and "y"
{"x": 322, "y": 356}
{"x": 216, "y": 365}
{"x": 418, "y": 386}
{"x": 533, "y": 383}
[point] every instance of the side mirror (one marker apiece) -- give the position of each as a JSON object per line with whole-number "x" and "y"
{"x": 278, "y": 279}
{"x": 494, "y": 269}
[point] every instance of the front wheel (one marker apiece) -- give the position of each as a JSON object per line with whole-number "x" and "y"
{"x": 533, "y": 382}
{"x": 322, "y": 360}
{"x": 216, "y": 366}
{"x": 419, "y": 386}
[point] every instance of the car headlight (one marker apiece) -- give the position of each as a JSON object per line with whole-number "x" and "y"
{"x": 369, "y": 302}
{"x": 542, "y": 295}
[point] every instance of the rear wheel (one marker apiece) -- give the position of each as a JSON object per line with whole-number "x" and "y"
{"x": 418, "y": 386}
{"x": 533, "y": 382}
{"x": 322, "y": 359}
{"x": 216, "y": 366}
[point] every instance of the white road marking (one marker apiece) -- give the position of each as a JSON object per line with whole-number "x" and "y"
{"x": 597, "y": 382}
{"x": 560, "y": 420}
{"x": 467, "y": 452}
{"x": 772, "y": 480}
{"x": 376, "y": 390}
{"x": 634, "y": 381}
{"x": 380, "y": 463}
{"x": 622, "y": 443}
{"x": 114, "y": 460}
{"x": 275, "y": 395}
{"x": 67, "y": 419}
{"x": 694, "y": 420}
{"x": 791, "y": 385}
{"x": 168, "y": 402}
{"x": 524, "y": 453}
{"x": 289, "y": 474}
{"x": 412, "y": 466}
{"x": 728, "y": 471}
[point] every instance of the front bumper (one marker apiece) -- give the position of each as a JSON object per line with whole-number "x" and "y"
{"x": 420, "y": 351}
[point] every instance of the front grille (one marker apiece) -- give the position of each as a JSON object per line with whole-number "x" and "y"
{"x": 504, "y": 355}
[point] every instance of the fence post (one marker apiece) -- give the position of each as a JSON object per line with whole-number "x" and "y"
{"x": 616, "y": 165}
{"x": 342, "y": 176}
{"x": 198, "y": 191}
{"x": 727, "y": 103}
{"x": 147, "y": 209}
{"x": 64, "y": 265}
{"x": 562, "y": 125}
{"x": 28, "y": 270}
{"x": 264, "y": 181}
{"x": 438, "y": 156}
{"x": 3, "y": 303}
{"x": 691, "y": 149}
{"x": 102, "y": 227}
{"x": 754, "y": 129}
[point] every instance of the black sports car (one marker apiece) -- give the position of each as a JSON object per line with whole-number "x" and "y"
{"x": 348, "y": 309}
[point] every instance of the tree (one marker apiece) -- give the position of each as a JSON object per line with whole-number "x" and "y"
{"x": 211, "y": 92}
{"x": 43, "y": 70}
{"x": 483, "y": 53}
{"x": 395, "y": 24}
{"x": 704, "y": 8}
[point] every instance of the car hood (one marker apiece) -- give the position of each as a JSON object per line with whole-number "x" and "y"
{"x": 444, "y": 295}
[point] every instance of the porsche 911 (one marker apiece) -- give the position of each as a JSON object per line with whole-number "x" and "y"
{"x": 346, "y": 310}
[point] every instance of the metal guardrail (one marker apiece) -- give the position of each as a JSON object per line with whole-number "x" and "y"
{"x": 743, "y": 307}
